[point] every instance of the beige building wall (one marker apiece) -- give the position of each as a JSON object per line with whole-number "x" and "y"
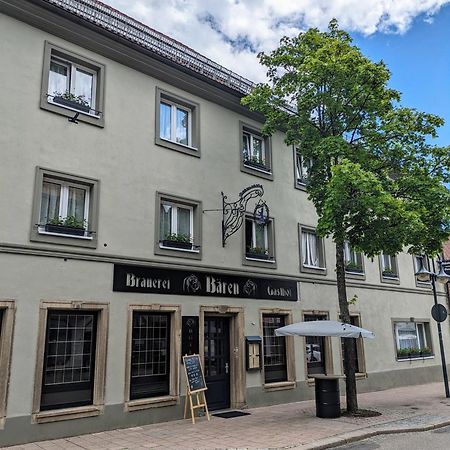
{"x": 131, "y": 169}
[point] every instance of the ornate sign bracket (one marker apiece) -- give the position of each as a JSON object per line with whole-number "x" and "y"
{"x": 234, "y": 212}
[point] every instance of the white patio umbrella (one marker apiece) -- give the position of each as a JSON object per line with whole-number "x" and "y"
{"x": 324, "y": 328}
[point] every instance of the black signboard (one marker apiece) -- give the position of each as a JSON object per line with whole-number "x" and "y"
{"x": 155, "y": 280}
{"x": 189, "y": 335}
{"x": 194, "y": 373}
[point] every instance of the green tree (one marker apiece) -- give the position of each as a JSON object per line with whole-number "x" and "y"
{"x": 375, "y": 181}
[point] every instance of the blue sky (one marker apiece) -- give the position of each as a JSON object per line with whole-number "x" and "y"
{"x": 419, "y": 61}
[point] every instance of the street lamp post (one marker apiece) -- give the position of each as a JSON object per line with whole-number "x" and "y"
{"x": 426, "y": 276}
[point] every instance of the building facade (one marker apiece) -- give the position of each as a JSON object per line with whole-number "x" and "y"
{"x": 123, "y": 155}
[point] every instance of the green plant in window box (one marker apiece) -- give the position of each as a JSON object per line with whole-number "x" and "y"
{"x": 73, "y": 101}
{"x": 258, "y": 253}
{"x": 353, "y": 267}
{"x": 413, "y": 352}
{"x": 177, "y": 241}
{"x": 389, "y": 273}
{"x": 66, "y": 225}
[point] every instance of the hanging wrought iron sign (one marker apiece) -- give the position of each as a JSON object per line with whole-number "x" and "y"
{"x": 234, "y": 212}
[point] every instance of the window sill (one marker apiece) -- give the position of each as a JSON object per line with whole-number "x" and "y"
{"x": 256, "y": 171}
{"x": 48, "y": 233}
{"x": 57, "y": 415}
{"x": 187, "y": 149}
{"x": 155, "y": 402}
{"x": 390, "y": 280}
{"x": 313, "y": 269}
{"x": 165, "y": 247}
{"x": 299, "y": 185}
{"x": 265, "y": 261}
{"x": 279, "y": 386}
{"x": 414, "y": 358}
{"x": 89, "y": 114}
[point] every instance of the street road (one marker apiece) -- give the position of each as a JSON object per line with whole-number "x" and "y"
{"x": 438, "y": 439}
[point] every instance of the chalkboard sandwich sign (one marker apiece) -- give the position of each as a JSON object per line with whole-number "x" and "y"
{"x": 195, "y": 385}
{"x": 194, "y": 373}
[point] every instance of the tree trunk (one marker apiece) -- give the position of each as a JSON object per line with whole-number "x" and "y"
{"x": 349, "y": 350}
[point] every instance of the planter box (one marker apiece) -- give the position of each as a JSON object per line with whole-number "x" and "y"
{"x": 177, "y": 244}
{"x": 353, "y": 270}
{"x": 390, "y": 275}
{"x": 61, "y": 229}
{"x": 415, "y": 355}
{"x": 258, "y": 256}
{"x": 71, "y": 104}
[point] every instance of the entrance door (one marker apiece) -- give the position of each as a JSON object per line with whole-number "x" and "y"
{"x": 217, "y": 361}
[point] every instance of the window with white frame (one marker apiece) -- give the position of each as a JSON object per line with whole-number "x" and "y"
{"x": 253, "y": 150}
{"x": 312, "y": 250}
{"x": 258, "y": 240}
{"x": 256, "y": 152}
{"x": 64, "y": 207}
{"x": 72, "y": 84}
{"x": 352, "y": 259}
{"x": 389, "y": 266}
{"x": 412, "y": 339}
{"x": 176, "y": 225}
{"x": 302, "y": 167}
{"x": 175, "y": 123}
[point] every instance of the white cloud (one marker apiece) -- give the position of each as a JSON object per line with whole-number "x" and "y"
{"x": 232, "y": 32}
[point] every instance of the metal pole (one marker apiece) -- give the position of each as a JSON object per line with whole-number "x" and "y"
{"x": 441, "y": 342}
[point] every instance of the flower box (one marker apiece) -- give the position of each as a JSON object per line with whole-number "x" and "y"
{"x": 357, "y": 270}
{"x": 63, "y": 229}
{"x": 177, "y": 244}
{"x": 262, "y": 256}
{"x": 71, "y": 104}
{"x": 413, "y": 355}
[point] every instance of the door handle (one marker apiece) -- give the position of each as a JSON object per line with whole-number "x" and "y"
{"x": 226, "y": 367}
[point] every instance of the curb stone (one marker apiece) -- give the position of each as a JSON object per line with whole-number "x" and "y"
{"x": 355, "y": 436}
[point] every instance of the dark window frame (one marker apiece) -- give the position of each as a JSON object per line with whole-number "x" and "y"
{"x": 68, "y": 387}
{"x": 165, "y": 379}
{"x": 275, "y": 373}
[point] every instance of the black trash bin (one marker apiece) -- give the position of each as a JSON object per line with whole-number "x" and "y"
{"x": 328, "y": 405}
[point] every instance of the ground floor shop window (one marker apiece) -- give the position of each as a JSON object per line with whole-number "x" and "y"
{"x": 150, "y": 355}
{"x": 153, "y": 356}
{"x": 316, "y": 349}
{"x": 275, "y": 364}
{"x": 71, "y": 360}
{"x": 412, "y": 340}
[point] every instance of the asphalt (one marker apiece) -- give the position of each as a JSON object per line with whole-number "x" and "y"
{"x": 288, "y": 426}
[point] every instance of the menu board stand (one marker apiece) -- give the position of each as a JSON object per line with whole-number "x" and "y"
{"x": 196, "y": 386}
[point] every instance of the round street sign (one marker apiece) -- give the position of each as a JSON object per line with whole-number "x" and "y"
{"x": 438, "y": 312}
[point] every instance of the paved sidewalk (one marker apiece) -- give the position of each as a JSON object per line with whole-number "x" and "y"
{"x": 287, "y": 426}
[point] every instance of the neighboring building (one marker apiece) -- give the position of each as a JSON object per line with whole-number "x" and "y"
{"x": 111, "y": 256}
